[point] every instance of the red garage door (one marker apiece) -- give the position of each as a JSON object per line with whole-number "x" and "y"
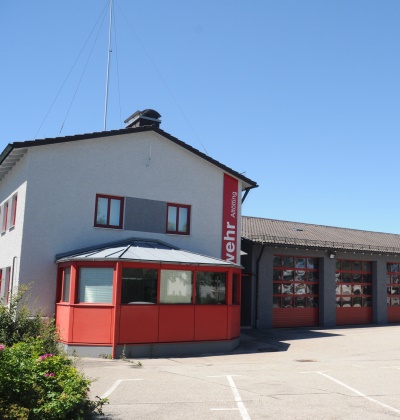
{"x": 295, "y": 291}
{"x": 393, "y": 291}
{"x": 353, "y": 292}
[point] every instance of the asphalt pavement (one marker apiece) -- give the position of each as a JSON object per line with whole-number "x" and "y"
{"x": 340, "y": 373}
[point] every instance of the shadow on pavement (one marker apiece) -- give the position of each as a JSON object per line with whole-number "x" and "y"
{"x": 272, "y": 340}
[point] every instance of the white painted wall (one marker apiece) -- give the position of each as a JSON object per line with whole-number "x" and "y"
{"x": 11, "y": 240}
{"x": 63, "y": 182}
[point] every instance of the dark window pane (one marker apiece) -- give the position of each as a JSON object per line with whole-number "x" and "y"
{"x": 356, "y": 302}
{"x": 300, "y": 302}
{"x": 367, "y": 266}
{"x": 395, "y": 278}
{"x": 395, "y": 301}
{"x": 367, "y": 301}
{"x": 276, "y": 275}
{"x": 338, "y": 265}
{"x": 312, "y": 289}
{"x": 357, "y": 266}
{"x": 347, "y": 277}
{"x": 276, "y": 303}
{"x": 139, "y": 285}
{"x": 346, "y": 265}
{"x": 287, "y": 261}
{"x": 357, "y": 278}
{"x": 300, "y": 263}
{"x": 313, "y": 302}
{"x": 312, "y": 276}
{"x": 287, "y": 302}
{"x": 277, "y": 261}
{"x": 312, "y": 263}
{"x": 367, "y": 290}
{"x": 276, "y": 289}
{"x": 395, "y": 268}
{"x": 210, "y": 287}
{"x": 367, "y": 278}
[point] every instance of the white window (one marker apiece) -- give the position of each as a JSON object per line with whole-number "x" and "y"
{"x": 95, "y": 285}
{"x": 176, "y": 286}
{"x": 66, "y": 284}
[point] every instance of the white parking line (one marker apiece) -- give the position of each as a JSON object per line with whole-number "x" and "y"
{"x": 115, "y": 386}
{"x": 241, "y": 407}
{"x": 359, "y": 393}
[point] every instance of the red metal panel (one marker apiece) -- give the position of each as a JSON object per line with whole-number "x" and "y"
{"x": 211, "y": 322}
{"x": 393, "y": 314}
{"x": 233, "y": 321}
{"x": 176, "y": 323}
{"x": 62, "y": 321}
{"x": 294, "y": 317}
{"x": 138, "y": 324}
{"x": 353, "y": 316}
{"x": 92, "y": 325}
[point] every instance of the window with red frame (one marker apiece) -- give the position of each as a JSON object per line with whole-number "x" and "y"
{"x": 14, "y": 210}
{"x": 109, "y": 211}
{"x": 5, "y": 217}
{"x": 295, "y": 282}
{"x": 393, "y": 284}
{"x": 353, "y": 284}
{"x": 178, "y": 219}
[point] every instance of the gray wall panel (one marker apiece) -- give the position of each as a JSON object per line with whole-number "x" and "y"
{"x": 145, "y": 215}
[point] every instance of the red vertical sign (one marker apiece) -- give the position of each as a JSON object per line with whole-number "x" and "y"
{"x": 230, "y": 219}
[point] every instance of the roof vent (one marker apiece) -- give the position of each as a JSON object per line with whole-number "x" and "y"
{"x": 148, "y": 117}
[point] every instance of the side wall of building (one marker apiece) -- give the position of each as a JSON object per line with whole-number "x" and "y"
{"x": 14, "y": 184}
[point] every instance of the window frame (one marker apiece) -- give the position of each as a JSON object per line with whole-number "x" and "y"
{"x": 188, "y": 222}
{"x": 121, "y": 211}
{"x": 14, "y": 205}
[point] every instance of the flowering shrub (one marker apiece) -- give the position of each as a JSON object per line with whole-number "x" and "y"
{"x": 39, "y": 385}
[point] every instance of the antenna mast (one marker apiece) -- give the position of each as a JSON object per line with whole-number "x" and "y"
{"x": 108, "y": 67}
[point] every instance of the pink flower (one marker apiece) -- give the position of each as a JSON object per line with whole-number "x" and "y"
{"x": 49, "y": 374}
{"x": 45, "y": 356}
{"x": 2, "y": 347}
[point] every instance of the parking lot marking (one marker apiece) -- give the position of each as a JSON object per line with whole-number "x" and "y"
{"x": 115, "y": 386}
{"x": 241, "y": 407}
{"x": 360, "y": 393}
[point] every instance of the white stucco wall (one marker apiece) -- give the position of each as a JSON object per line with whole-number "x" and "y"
{"x": 15, "y": 182}
{"x": 65, "y": 178}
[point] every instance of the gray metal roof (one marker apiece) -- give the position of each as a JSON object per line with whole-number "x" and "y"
{"x": 280, "y": 232}
{"x": 141, "y": 250}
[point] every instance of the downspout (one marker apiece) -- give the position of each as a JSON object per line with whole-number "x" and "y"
{"x": 12, "y": 276}
{"x": 246, "y": 191}
{"x": 258, "y": 279}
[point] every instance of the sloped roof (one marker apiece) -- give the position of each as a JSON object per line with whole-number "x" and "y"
{"x": 141, "y": 250}
{"x": 11, "y": 154}
{"x": 280, "y": 232}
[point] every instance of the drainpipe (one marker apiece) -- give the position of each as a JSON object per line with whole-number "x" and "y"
{"x": 12, "y": 275}
{"x": 258, "y": 279}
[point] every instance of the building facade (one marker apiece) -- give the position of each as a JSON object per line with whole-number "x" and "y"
{"x": 299, "y": 274}
{"x": 64, "y": 194}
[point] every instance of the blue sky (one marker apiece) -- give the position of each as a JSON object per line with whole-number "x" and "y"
{"x": 302, "y": 96}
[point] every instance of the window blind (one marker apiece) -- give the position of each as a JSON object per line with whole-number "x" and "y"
{"x": 95, "y": 285}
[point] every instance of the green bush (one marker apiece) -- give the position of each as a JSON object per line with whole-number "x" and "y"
{"x": 37, "y": 379}
{"x": 39, "y": 385}
{"x": 18, "y": 323}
